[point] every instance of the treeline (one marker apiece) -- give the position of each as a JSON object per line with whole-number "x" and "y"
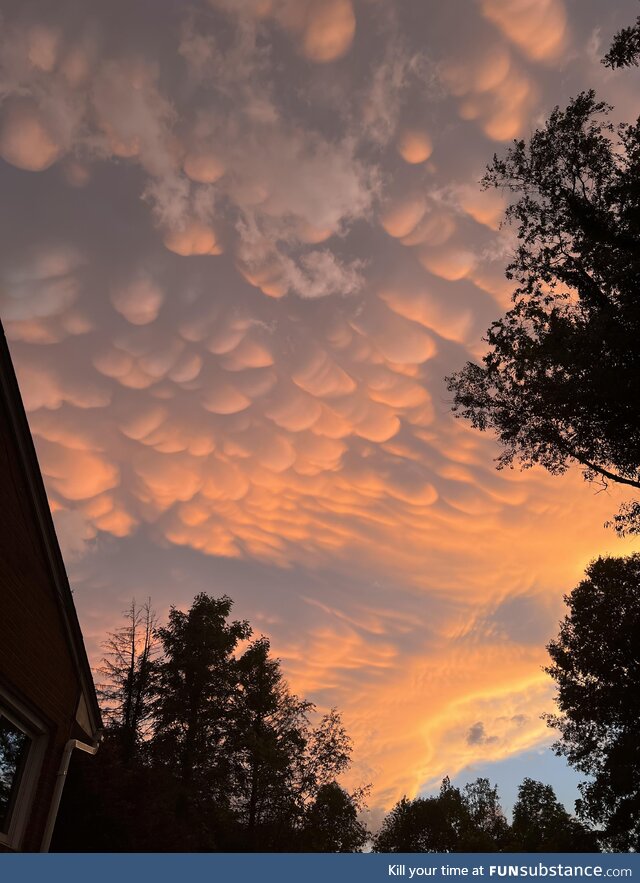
{"x": 471, "y": 820}
{"x": 206, "y": 748}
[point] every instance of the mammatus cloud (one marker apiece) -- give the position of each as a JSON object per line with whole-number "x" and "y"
{"x": 539, "y": 29}
{"x": 260, "y": 246}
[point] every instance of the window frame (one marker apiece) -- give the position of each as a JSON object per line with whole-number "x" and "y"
{"x": 24, "y": 719}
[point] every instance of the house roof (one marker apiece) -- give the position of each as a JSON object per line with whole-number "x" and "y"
{"x": 43, "y": 522}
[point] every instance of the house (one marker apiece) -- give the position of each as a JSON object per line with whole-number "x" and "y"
{"x": 48, "y": 705}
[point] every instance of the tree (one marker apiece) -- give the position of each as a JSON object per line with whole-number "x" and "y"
{"x": 331, "y": 822}
{"x": 415, "y": 826}
{"x": 455, "y": 821}
{"x": 489, "y": 829}
{"x": 193, "y": 709}
{"x": 228, "y": 757}
{"x": 285, "y": 769}
{"x": 596, "y": 666}
{"x": 542, "y": 824}
{"x": 128, "y": 669}
{"x": 625, "y": 49}
{"x": 559, "y": 382}
{"x": 268, "y": 733}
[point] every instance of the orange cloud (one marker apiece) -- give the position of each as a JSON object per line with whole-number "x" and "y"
{"x": 79, "y": 475}
{"x": 284, "y": 405}
{"x": 328, "y": 30}
{"x": 204, "y": 168}
{"x": 537, "y": 27}
{"x": 492, "y": 89}
{"x": 26, "y": 138}
{"x": 139, "y": 301}
{"x": 414, "y": 146}
{"x": 194, "y": 238}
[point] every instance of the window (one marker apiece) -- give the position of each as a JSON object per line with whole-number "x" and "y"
{"x": 22, "y": 742}
{"x": 14, "y": 750}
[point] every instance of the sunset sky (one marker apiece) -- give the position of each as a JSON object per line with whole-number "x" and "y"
{"x": 242, "y": 244}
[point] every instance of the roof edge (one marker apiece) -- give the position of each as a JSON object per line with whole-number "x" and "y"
{"x": 38, "y": 498}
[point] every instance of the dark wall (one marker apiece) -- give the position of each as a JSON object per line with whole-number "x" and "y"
{"x": 35, "y": 661}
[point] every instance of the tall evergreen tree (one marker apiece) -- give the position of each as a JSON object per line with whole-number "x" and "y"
{"x": 192, "y": 723}
{"x": 269, "y": 733}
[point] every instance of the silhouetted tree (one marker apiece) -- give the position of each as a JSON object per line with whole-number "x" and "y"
{"x": 455, "y": 821}
{"x": 112, "y": 806}
{"x": 331, "y": 822}
{"x": 559, "y": 382}
{"x": 625, "y": 48}
{"x": 489, "y": 829}
{"x": 282, "y": 762}
{"x": 414, "y": 826}
{"x": 232, "y": 759}
{"x": 128, "y": 671}
{"x": 596, "y": 666}
{"x": 268, "y": 733}
{"x": 542, "y": 824}
{"x": 193, "y": 711}
{"x": 326, "y": 756}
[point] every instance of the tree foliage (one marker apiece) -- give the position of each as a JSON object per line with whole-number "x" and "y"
{"x": 220, "y": 755}
{"x": 596, "y": 666}
{"x": 625, "y": 48}
{"x": 194, "y": 693}
{"x": 489, "y": 829}
{"x": 559, "y": 381}
{"x": 470, "y": 820}
{"x": 542, "y": 824}
{"x": 331, "y": 822}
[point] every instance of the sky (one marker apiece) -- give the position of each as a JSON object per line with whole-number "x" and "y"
{"x": 242, "y": 243}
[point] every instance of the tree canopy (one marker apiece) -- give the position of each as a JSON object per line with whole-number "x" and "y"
{"x": 468, "y": 820}
{"x": 596, "y": 666}
{"x": 471, "y": 820}
{"x": 542, "y": 824}
{"x": 219, "y": 755}
{"x": 559, "y": 381}
{"x": 625, "y": 48}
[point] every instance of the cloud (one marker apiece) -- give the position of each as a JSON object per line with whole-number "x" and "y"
{"x": 79, "y": 475}
{"x": 139, "y": 301}
{"x": 194, "y": 238}
{"x": 26, "y": 140}
{"x": 486, "y": 207}
{"x": 492, "y": 88}
{"x": 279, "y": 185}
{"x": 259, "y": 247}
{"x": 319, "y": 274}
{"x": 477, "y": 735}
{"x": 323, "y": 29}
{"x": 43, "y": 388}
{"x": 415, "y": 146}
{"x": 329, "y": 30}
{"x": 46, "y": 285}
{"x": 75, "y": 533}
{"x": 537, "y": 27}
